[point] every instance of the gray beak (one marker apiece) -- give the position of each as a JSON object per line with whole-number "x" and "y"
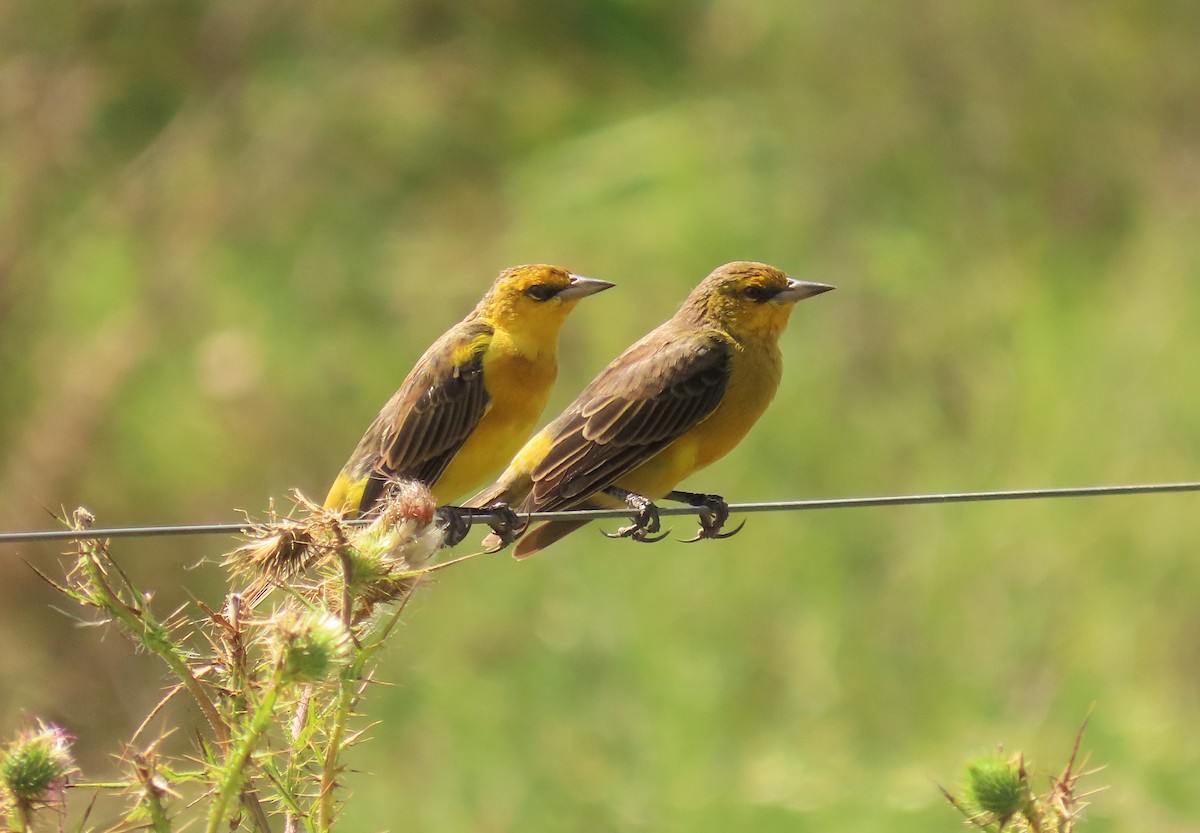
{"x": 799, "y": 290}
{"x": 582, "y": 287}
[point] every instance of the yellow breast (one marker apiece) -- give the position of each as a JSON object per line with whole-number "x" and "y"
{"x": 754, "y": 377}
{"x": 518, "y": 378}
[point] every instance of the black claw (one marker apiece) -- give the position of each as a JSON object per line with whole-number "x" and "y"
{"x": 455, "y": 524}
{"x": 641, "y": 537}
{"x": 731, "y": 532}
{"x": 714, "y": 512}
{"x": 637, "y": 533}
{"x": 714, "y": 536}
{"x": 645, "y": 521}
{"x": 506, "y": 524}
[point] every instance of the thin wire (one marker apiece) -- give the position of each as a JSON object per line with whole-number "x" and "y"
{"x": 483, "y": 516}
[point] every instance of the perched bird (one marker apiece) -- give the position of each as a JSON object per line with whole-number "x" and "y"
{"x": 677, "y": 400}
{"x": 473, "y": 398}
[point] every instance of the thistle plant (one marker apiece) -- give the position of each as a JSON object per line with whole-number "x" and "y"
{"x": 34, "y": 771}
{"x": 997, "y": 796}
{"x": 278, "y": 686}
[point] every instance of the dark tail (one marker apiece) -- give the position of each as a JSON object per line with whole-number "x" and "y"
{"x": 488, "y": 496}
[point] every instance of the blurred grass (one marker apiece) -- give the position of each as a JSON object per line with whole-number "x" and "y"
{"x": 227, "y": 230}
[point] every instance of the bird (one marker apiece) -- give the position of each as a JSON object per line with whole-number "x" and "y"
{"x": 674, "y": 402}
{"x": 473, "y": 398}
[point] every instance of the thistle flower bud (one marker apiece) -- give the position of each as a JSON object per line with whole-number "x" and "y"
{"x": 36, "y": 764}
{"x": 997, "y": 786}
{"x": 312, "y": 646}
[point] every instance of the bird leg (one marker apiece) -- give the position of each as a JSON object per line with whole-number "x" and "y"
{"x": 455, "y": 522}
{"x": 645, "y": 520}
{"x": 506, "y": 524}
{"x": 714, "y": 512}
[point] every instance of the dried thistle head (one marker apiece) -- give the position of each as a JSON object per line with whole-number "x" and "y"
{"x": 360, "y": 565}
{"x": 283, "y": 548}
{"x": 275, "y": 552}
{"x": 403, "y": 529}
{"x": 382, "y": 560}
{"x": 82, "y": 518}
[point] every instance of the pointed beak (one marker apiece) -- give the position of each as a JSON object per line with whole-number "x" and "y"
{"x": 799, "y": 290}
{"x": 581, "y": 287}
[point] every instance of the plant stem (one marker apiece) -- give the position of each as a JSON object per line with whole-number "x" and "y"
{"x": 141, "y": 626}
{"x": 152, "y": 802}
{"x": 233, "y": 772}
{"x": 20, "y": 818}
{"x": 349, "y": 690}
{"x": 346, "y": 697}
{"x": 299, "y": 721}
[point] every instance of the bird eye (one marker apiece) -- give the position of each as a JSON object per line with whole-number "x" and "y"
{"x": 758, "y": 294}
{"x": 541, "y": 291}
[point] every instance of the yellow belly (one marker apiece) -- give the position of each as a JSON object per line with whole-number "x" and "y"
{"x": 753, "y": 379}
{"x": 519, "y": 388}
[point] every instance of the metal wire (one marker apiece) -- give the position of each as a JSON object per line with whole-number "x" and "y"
{"x": 484, "y": 516}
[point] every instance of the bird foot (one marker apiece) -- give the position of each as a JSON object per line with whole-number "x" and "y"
{"x": 714, "y": 512}
{"x": 455, "y": 523}
{"x": 506, "y": 526}
{"x": 645, "y": 522}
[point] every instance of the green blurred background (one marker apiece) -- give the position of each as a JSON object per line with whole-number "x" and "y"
{"x": 228, "y": 229}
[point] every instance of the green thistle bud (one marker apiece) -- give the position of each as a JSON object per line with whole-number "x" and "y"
{"x": 997, "y": 786}
{"x": 37, "y": 763}
{"x": 313, "y": 646}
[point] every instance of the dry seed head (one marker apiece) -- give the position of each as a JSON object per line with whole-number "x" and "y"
{"x": 384, "y": 557}
{"x": 284, "y": 548}
{"x": 275, "y": 552}
{"x": 403, "y": 531}
{"x": 82, "y": 518}
{"x": 409, "y": 500}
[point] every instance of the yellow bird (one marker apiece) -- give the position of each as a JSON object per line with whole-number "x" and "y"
{"x": 676, "y": 401}
{"x": 473, "y": 398}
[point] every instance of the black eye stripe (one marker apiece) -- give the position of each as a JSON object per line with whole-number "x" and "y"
{"x": 758, "y": 294}
{"x": 542, "y": 291}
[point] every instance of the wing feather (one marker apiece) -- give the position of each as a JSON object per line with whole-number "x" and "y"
{"x": 427, "y": 420}
{"x": 650, "y": 396}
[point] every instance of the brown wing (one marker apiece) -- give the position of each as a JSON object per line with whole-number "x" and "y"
{"x": 652, "y": 394}
{"x": 425, "y": 423}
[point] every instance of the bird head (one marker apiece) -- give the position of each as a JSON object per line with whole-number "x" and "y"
{"x": 538, "y": 296}
{"x": 749, "y": 300}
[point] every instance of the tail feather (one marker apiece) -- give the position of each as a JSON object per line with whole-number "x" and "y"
{"x": 488, "y": 496}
